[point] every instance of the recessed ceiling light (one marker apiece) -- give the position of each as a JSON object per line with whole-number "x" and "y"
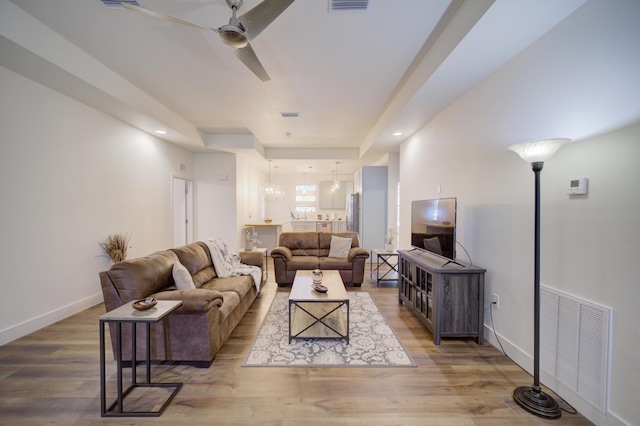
{"x": 397, "y": 133}
{"x": 161, "y": 132}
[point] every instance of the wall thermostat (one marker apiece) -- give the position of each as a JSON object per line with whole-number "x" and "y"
{"x": 578, "y": 186}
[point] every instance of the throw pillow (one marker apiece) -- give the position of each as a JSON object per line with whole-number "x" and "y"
{"x": 433, "y": 244}
{"x": 339, "y": 247}
{"x": 182, "y": 277}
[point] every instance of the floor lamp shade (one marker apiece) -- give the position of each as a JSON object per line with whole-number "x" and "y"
{"x": 532, "y": 398}
{"x": 538, "y": 151}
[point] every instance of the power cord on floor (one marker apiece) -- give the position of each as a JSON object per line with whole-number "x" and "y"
{"x": 572, "y": 409}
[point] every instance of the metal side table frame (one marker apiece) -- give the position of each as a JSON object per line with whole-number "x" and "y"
{"x": 382, "y": 258}
{"x": 127, "y": 314}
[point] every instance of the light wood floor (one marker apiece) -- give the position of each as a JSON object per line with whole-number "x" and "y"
{"x": 52, "y": 377}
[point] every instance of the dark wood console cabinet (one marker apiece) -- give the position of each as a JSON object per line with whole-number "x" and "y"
{"x": 447, "y": 298}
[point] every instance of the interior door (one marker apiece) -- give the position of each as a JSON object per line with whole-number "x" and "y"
{"x": 182, "y": 211}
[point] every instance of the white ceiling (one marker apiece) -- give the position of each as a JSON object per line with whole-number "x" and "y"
{"x": 354, "y": 77}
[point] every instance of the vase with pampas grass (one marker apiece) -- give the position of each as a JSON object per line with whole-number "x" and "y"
{"x": 115, "y": 247}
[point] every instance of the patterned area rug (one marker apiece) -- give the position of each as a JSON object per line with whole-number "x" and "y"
{"x": 372, "y": 343}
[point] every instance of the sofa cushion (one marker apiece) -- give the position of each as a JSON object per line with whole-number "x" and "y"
{"x": 327, "y": 263}
{"x": 140, "y": 277}
{"x": 182, "y": 277}
{"x": 240, "y": 285}
{"x": 325, "y": 240}
{"x": 196, "y": 258}
{"x": 300, "y": 243}
{"x": 339, "y": 247}
{"x": 298, "y": 263}
{"x": 231, "y": 300}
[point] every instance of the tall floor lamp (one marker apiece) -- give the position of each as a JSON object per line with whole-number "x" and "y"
{"x": 532, "y": 398}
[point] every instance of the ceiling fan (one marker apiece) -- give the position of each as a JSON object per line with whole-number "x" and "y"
{"x": 239, "y": 31}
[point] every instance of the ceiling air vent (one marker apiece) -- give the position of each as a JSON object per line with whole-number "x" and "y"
{"x": 338, "y": 5}
{"x": 118, "y": 3}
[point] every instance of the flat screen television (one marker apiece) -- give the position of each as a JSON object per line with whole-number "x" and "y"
{"x": 433, "y": 226}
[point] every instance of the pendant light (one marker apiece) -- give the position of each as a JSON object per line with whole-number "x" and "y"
{"x": 271, "y": 191}
{"x": 336, "y": 182}
{"x": 304, "y": 184}
{"x": 279, "y": 189}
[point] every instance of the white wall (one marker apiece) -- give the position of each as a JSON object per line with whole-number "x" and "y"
{"x": 393, "y": 177}
{"x": 215, "y": 196}
{"x": 579, "y": 81}
{"x": 70, "y": 176}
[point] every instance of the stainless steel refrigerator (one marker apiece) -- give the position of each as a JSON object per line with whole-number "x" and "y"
{"x": 353, "y": 213}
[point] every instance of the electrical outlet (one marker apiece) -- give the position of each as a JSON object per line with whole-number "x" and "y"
{"x": 495, "y": 300}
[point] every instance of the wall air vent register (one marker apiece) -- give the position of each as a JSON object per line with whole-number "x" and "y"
{"x": 340, "y": 5}
{"x": 118, "y": 3}
{"x": 575, "y": 339}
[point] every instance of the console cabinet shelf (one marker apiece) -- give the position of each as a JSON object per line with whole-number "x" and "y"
{"x": 447, "y": 298}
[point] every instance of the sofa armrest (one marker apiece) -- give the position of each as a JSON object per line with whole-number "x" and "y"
{"x": 357, "y": 252}
{"x": 194, "y": 300}
{"x": 282, "y": 252}
{"x": 253, "y": 258}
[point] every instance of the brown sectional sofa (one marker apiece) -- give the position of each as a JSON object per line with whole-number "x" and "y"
{"x": 310, "y": 250}
{"x": 209, "y": 313}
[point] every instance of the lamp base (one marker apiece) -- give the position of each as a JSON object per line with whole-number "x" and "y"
{"x": 537, "y": 402}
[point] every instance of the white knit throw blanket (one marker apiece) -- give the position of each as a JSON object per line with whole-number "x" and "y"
{"x": 227, "y": 263}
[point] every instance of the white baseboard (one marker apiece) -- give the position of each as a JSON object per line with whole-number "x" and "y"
{"x": 9, "y": 334}
{"x": 525, "y": 361}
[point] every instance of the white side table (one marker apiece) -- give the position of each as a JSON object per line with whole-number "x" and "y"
{"x": 127, "y": 314}
{"x": 384, "y": 257}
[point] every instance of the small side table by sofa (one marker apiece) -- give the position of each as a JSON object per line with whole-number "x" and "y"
{"x": 127, "y": 314}
{"x": 383, "y": 257}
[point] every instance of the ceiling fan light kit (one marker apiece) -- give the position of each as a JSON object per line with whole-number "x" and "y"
{"x": 233, "y": 36}
{"x": 238, "y": 32}
{"x": 234, "y": 33}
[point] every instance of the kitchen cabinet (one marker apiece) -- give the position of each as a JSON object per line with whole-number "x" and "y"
{"x": 318, "y": 226}
{"x": 339, "y": 226}
{"x": 268, "y": 233}
{"x": 332, "y": 200}
{"x": 303, "y": 225}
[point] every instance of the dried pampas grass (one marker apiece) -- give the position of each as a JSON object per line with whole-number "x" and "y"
{"x": 115, "y": 246}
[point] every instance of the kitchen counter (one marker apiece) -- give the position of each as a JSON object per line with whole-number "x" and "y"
{"x": 268, "y": 233}
{"x": 319, "y": 225}
{"x": 315, "y": 220}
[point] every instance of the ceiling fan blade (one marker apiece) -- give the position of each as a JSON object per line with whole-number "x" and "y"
{"x": 249, "y": 58}
{"x": 258, "y": 18}
{"x": 165, "y": 17}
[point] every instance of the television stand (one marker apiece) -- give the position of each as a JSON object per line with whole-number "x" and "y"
{"x": 448, "y": 299}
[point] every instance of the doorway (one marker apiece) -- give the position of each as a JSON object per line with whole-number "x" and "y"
{"x": 182, "y": 195}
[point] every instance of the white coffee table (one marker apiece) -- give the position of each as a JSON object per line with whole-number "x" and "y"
{"x": 315, "y": 315}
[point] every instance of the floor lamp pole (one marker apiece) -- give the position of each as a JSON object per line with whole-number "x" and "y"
{"x": 532, "y": 398}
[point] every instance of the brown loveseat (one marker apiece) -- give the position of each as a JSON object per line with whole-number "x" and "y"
{"x": 310, "y": 250}
{"x": 209, "y": 313}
